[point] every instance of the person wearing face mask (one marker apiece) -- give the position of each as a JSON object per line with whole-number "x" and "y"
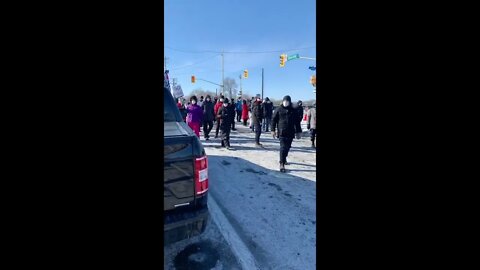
{"x": 285, "y": 121}
{"x": 208, "y": 117}
{"x": 194, "y": 115}
{"x": 231, "y": 107}
{"x": 257, "y": 117}
{"x": 224, "y": 118}
{"x": 218, "y": 105}
{"x": 200, "y": 102}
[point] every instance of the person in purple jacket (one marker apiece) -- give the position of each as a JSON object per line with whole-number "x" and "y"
{"x": 194, "y": 116}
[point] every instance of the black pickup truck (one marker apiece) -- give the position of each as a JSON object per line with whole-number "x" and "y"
{"x": 185, "y": 177}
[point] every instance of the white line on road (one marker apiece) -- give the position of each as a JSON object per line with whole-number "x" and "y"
{"x": 243, "y": 254}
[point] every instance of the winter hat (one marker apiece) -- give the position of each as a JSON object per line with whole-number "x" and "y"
{"x": 225, "y": 100}
{"x": 267, "y": 99}
{"x": 208, "y": 96}
{"x": 287, "y": 98}
{"x": 193, "y": 98}
{"x": 299, "y": 102}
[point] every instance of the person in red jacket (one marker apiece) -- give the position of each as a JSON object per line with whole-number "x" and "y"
{"x": 244, "y": 112}
{"x": 218, "y": 106}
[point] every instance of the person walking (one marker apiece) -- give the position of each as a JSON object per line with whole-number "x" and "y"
{"x": 267, "y": 113}
{"x": 224, "y": 118}
{"x": 285, "y": 120}
{"x": 312, "y": 123}
{"x": 252, "y": 101}
{"x": 300, "y": 111}
{"x": 231, "y": 107}
{"x": 257, "y": 117}
{"x": 218, "y": 105}
{"x": 200, "y": 102}
{"x": 239, "y": 109}
{"x": 208, "y": 117}
{"x": 244, "y": 112}
{"x": 194, "y": 116}
{"x": 181, "y": 106}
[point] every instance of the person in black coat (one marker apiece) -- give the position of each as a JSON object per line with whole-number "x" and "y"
{"x": 208, "y": 117}
{"x": 224, "y": 117}
{"x": 231, "y": 108}
{"x": 300, "y": 111}
{"x": 267, "y": 113}
{"x": 285, "y": 126}
{"x": 257, "y": 117}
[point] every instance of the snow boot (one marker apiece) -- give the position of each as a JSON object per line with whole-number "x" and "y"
{"x": 258, "y": 145}
{"x": 282, "y": 167}
{"x": 286, "y": 162}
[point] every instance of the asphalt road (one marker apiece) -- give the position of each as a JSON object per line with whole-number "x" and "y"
{"x": 207, "y": 251}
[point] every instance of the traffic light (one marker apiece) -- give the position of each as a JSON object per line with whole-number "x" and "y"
{"x": 283, "y": 59}
{"x": 193, "y": 79}
{"x": 245, "y": 73}
{"x": 313, "y": 80}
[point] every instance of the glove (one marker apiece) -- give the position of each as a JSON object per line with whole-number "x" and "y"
{"x": 274, "y": 134}
{"x": 308, "y": 126}
{"x": 298, "y": 135}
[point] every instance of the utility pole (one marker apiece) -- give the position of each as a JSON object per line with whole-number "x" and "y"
{"x": 262, "y": 83}
{"x": 165, "y": 62}
{"x": 240, "y": 94}
{"x": 223, "y": 79}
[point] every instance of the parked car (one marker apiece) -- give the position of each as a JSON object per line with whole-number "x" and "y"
{"x": 185, "y": 177}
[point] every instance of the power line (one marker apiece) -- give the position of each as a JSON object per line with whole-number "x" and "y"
{"x": 210, "y": 51}
{"x": 199, "y": 62}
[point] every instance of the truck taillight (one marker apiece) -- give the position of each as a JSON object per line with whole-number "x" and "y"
{"x": 201, "y": 175}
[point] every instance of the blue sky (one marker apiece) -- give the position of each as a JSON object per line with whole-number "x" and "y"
{"x": 196, "y": 26}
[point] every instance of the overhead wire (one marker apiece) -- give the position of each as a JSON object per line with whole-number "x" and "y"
{"x": 199, "y": 62}
{"x": 239, "y": 52}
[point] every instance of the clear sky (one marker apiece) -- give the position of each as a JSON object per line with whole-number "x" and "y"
{"x": 196, "y": 30}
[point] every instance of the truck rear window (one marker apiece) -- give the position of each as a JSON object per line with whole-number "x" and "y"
{"x": 170, "y": 109}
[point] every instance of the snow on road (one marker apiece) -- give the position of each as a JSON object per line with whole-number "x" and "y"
{"x": 273, "y": 214}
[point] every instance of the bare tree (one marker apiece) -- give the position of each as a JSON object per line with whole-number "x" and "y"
{"x": 230, "y": 86}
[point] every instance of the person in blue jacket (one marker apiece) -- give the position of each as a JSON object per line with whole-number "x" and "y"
{"x": 239, "y": 110}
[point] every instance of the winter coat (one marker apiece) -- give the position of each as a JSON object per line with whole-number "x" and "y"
{"x": 239, "y": 106}
{"x": 267, "y": 109}
{"x": 194, "y": 113}
{"x": 286, "y": 119}
{"x": 244, "y": 111}
{"x": 183, "y": 111}
{"x": 217, "y": 106}
{"x": 208, "y": 111}
{"x": 257, "y": 112}
{"x": 300, "y": 113}
{"x": 225, "y": 118}
{"x": 231, "y": 111}
{"x": 312, "y": 118}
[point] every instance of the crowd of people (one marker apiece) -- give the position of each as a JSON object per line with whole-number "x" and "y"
{"x": 283, "y": 121}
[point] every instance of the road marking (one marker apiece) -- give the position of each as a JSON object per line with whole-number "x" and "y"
{"x": 243, "y": 254}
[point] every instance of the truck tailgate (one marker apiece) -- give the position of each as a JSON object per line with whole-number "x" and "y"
{"x": 178, "y": 174}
